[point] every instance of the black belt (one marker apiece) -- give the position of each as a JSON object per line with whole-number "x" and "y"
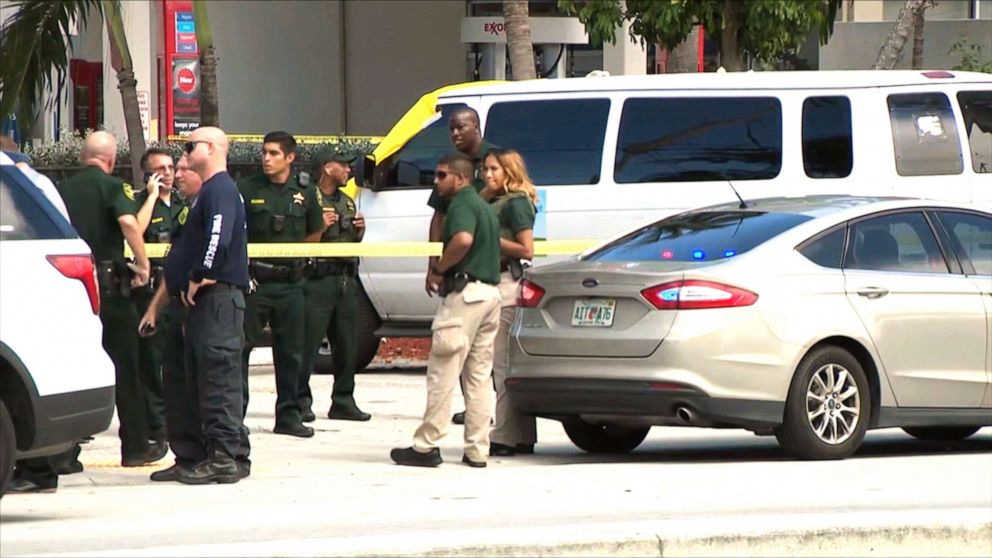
{"x": 267, "y": 273}
{"x": 456, "y": 282}
{"x": 323, "y": 267}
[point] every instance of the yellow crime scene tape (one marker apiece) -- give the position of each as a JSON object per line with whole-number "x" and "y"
{"x": 371, "y": 249}
{"x": 257, "y": 138}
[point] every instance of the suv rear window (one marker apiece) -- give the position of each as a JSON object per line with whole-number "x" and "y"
{"x": 698, "y": 237}
{"x": 21, "y": 217}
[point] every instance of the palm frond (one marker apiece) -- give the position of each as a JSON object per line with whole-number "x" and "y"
{"x": 34, "y": 44}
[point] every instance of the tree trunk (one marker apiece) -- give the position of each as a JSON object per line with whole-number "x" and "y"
{"x": 120, "y": 59}
{"x": 918, "y": 23}
{"x": 730, "y": 55}
{"x": 891, "y": 51}
{"x": 209, "y": 102}
{"x": 516, "y": 18}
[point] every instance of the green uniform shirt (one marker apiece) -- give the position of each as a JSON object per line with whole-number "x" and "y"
{"x": 439, "y": 203}
{"x": 345, "y": 207}
{"x": 166, "y": 219}
{"x": 468, "y": 212}
{"x": 95, "y": 200}
{"x": 516, "y": 212}
{"x": 279, "y": 213}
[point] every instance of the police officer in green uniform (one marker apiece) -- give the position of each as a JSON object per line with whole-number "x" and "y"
{"x": 101, "y": 208}
{"x": 466, "y": 136}
{"x": 159, "y": 216}
{"x": 332, "y": 288}
{"x": 279, "y": 209}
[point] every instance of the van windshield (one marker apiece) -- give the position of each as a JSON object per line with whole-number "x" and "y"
{"x": 698, "y": 237}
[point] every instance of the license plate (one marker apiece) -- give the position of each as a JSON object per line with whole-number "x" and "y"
{"x": 593, "y": 313}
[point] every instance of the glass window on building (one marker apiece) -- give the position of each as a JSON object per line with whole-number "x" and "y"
{"x": 695, "y": 139}
{"x": 924, "y": 135}
{"x": 827, "y": 143}
{"x": 976, "y": 110}
{"x": 561, "y": 140}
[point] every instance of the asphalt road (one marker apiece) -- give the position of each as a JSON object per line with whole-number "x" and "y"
{"x": 684, "y": 491}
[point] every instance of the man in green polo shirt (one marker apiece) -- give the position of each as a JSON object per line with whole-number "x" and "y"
{"x": 161, "y": 209}
{"x": 102, "y": 209}
{"x": 466, "y": 322}
{"x": 279, "y": 209}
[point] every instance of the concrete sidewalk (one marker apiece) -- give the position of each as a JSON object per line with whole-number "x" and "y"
{"x": 685, "y": 492}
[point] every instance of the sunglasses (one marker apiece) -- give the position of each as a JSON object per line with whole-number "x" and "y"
{"x": 441, "y": 175}
{"x": 191, "y": 145}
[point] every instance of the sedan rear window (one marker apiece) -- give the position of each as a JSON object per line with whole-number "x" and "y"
{"x": 703, "y": 236}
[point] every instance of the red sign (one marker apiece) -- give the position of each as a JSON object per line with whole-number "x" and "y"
{"x": 186, "y": 80}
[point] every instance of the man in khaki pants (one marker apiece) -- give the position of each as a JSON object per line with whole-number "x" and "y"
{"x": 466, "y": 322}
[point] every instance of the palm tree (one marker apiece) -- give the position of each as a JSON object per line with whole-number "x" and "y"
{"x": 209, "y": 106}
{"x": 891, "y": 51}
{"x": 516, "y": 19}
{"x": 35, "y": 51}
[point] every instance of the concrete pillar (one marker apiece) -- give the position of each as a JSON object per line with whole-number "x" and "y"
{"x": 626, "y": 57}
{"x": 141, "y": 39}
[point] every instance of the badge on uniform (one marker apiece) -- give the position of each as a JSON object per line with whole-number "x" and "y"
{"x": 298, "y": 198}
{"x": 128, "y": 191}
{"x": 351, "y": 206}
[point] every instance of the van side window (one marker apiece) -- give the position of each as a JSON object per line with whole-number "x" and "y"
{"x": 694, "y": 139}
{"x": 413, "y": 166}
{"x": 924, "y": 134}
{"x": 976, "y": 109}
{"x": 561, "y": 140}
{"x": 827, "y": 146}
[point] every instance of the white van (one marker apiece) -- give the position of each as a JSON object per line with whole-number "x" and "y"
{"x": 611, "y": 153}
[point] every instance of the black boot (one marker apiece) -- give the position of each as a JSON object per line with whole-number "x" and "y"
{"x": 412, "y": 457}
{"x": 217, "y": 467}
{"x": 347, "y": 412}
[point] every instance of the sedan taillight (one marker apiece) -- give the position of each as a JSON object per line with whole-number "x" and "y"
{"x": 529, "y": 295}
{"x": 79, "y": 267}
{"x": 693, "y": 294}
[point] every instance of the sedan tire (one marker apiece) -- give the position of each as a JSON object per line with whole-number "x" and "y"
{"x": 828, "y": 406}
{"x": 603, "y": 438}
{"x": 941, "y": 433}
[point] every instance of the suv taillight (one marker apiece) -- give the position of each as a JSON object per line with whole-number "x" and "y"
{"x": 529, "y": 295}
{"x": 692, "y": 295}
{"x": 79, "y": 267}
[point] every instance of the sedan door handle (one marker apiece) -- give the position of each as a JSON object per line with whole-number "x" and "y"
{"x": 872, "y": 292}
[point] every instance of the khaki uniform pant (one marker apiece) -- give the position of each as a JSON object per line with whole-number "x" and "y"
{"x": 511, "y": 427}
{"x": 464, "y": 328}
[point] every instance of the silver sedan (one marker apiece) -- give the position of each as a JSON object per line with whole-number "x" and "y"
{"x": 813, "y": 319}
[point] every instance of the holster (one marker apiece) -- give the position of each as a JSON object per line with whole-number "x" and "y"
{"x": 453, "y": 283}
{"x": 265, "y": 272}
{"x": 114, "y": 278}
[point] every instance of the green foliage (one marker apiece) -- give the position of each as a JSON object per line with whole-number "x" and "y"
{"x": 34, "y": 45}
{"x": 971, "y": 57}
{"x": 769, "y": 29}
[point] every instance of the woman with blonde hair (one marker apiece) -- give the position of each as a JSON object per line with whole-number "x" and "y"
{"x": 512, "y": 195}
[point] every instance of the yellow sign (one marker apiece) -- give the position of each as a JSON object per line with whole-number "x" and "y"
{"x": 373, "y": 249}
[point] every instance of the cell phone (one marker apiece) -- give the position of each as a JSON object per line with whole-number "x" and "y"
{"x": 146, "y": 330}
{"x": 148, "y": 176}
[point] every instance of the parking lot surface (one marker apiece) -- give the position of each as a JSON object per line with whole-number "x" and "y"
{"x": 683, "y": 492}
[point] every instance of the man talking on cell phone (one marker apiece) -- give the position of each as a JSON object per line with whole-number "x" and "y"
{"x": 212, "y": 272}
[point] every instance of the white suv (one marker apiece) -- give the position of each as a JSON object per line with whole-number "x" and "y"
{"x": 56, "y": 381}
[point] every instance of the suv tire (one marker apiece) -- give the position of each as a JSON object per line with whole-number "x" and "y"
{"x": 824, "y": 420}
{"x": 603, "y": 438}
{"x": 8, "y": 448}
{"x": 941, "y": 433}
{"x": 367, "y": 322}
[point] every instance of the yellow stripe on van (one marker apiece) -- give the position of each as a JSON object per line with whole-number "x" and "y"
{"x": 372, "y": 249}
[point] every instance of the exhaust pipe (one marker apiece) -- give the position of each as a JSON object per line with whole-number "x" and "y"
{"x": 685, "y": 415}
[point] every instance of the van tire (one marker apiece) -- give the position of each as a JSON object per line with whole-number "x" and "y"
{"x": 798, "y": 434}
{"x": 8, "y": 448}
{"x": 603, "y": 438}
{"x": 366, "y": 322}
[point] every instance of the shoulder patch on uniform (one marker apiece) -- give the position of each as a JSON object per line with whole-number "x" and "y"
{"x": 258, "y": 201}
{"x": 298, "y": 198}
{"x": 183, "y": 215}
{"x": 128, "y": 191}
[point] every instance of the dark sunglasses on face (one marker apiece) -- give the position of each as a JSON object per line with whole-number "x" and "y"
{"x": 440, "y": 175}
{"x": 191, "y": 145}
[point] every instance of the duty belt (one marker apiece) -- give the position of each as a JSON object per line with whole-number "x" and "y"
{"x": 271, "y": 273}
{"x": 318, "y": 268}
{"x": 456, "y": 283}
{"x": 114, "y": 278}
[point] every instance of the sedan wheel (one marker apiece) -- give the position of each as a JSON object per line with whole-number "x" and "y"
{"x": 826, "y": 413}
{"x": 941, "y": 433}
{"x": 603, "y": 438}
